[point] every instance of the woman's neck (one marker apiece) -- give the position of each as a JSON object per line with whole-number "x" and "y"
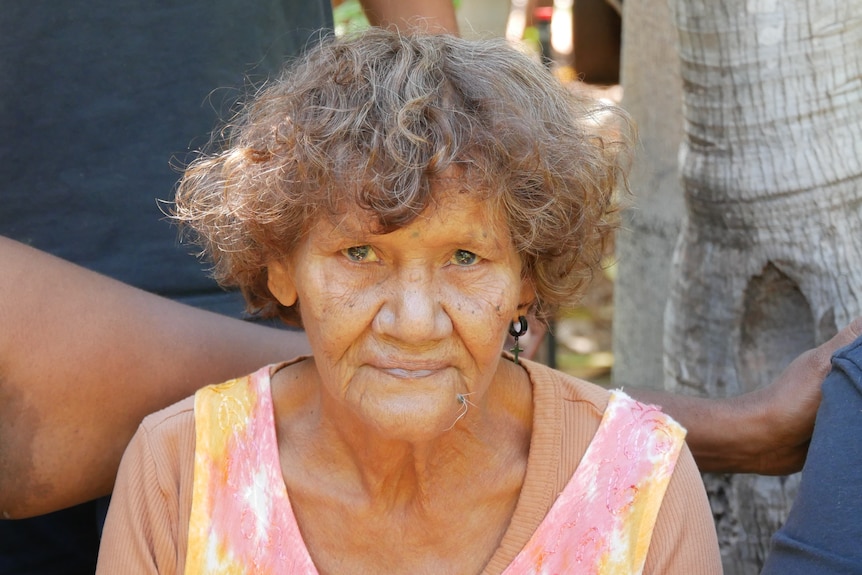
{"x": 404, "y": 495}
{"x": 316, "y": 432}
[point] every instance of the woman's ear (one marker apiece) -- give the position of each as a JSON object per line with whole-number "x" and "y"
{"x": 527, "y": 296}
{"x": 280, "y": 283}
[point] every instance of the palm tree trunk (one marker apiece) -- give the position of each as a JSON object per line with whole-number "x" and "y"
{"x": 769, "y": 259}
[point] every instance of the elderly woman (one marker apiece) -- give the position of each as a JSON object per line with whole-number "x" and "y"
{"x": 409, "y": 200}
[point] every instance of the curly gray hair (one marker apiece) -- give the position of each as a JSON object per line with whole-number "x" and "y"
{"x": 370, "y": 121}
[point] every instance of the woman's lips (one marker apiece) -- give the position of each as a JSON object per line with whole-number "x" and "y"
{"x": 409, "y": 373}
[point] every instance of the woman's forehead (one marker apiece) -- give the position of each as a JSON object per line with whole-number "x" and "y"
{"x": 447, "y": 202}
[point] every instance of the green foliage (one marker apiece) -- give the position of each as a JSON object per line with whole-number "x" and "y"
{"x": 349, "y": 16}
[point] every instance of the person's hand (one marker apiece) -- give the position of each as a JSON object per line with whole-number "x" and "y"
{"x": 787, "y": 407}
{"x": 764, "y": 431}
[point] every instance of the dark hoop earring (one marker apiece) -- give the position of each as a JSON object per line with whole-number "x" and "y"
{"x": 516, "y": 332}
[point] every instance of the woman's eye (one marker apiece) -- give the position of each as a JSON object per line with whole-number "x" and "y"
{"x": 464, "y": 258}
{"x": 360, "y": 254}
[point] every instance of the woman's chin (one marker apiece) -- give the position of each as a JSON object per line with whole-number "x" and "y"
{"x": 413, "y": 423}
{"x": 408, "y": 409}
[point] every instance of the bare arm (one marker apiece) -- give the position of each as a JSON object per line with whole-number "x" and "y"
{"x": 83, "y": 359}
{"x": 765, "y": 431}
{"x": 435, "y": 16}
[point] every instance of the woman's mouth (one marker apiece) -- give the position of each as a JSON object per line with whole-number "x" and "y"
{"x": 408, "y": 373}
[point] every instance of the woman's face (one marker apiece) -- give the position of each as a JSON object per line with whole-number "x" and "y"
{"x": 400, "y": 324}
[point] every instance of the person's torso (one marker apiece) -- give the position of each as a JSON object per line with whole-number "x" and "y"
{"x": 101, "y": 105}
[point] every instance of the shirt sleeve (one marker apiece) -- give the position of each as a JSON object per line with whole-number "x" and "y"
{"x": 823, "y": 530}
{"x": 684, "y": 541}
{"x": 140, "y": 535}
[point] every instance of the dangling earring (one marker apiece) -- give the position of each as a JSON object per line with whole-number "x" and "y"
{"x": 517, "y": 332}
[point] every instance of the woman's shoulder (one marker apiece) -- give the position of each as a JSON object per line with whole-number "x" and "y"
{"x": 173, "y": 428}
{"x": 170, "y": 419}
{"x": 566, "y": 387}
{"x": 165, "y": 440}
{"x": 178, "y": 416}
{"x": 567, "y": 411}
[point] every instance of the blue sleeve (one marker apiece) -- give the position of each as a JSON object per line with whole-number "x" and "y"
{"x": 823, "y": 533}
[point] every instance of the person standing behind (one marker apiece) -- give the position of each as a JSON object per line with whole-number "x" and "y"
{"x": 823, "y": 531}
{"x": 97, "y": 98}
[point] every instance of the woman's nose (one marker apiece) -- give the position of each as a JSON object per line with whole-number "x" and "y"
{"x": 413, "y": 311}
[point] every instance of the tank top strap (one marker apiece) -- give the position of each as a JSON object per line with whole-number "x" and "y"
{"x": 241, "y": 518}
{"x": 602, "y": 522}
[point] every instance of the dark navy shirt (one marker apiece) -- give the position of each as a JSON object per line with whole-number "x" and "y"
{"x": 99, "y": 98}
{"x": 823, "y": 533}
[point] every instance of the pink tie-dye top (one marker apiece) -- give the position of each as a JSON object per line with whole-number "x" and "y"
{"x": 602, "y": 522}
{"x": 242, "y": 521}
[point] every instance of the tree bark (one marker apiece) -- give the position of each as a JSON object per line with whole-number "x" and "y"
{"x": 769, "y": 259}
{"x": 652, "y": 94}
